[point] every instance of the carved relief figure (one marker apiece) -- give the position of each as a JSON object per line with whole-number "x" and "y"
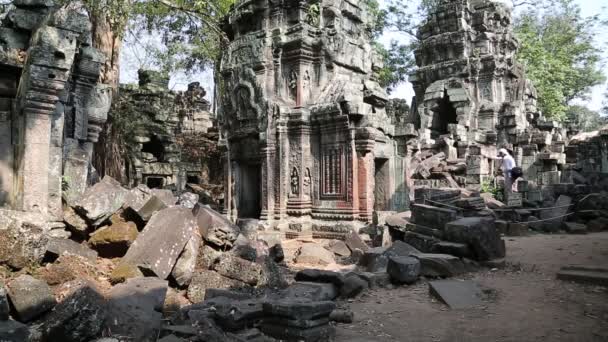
{"x": 307, "y": 182}
{"x": 306, "y": 86}
{"x": 295, "y": 182}
{"x": 292, "y": 82}
{"x": 243, "y": 98}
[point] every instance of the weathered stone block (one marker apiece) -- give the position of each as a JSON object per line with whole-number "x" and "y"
{"x": 204, "y": 280}
{"x": 480, "y": 234}
{"x": 30, "y": 297}
{"x": 314, "y": 254}
{"x": 156, "y": 248}
{"x": 240, "y": 269}
{"x": 101, "y": 200}
{"x": 57, "y": 247}
{"x": 403, "y": 270}
{"x": 432, "y": 217}
{"x": 214, "y": 227}
{"x": 439, "y": 265}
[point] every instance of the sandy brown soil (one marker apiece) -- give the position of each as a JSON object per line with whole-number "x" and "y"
{"x": 528, "y": 304}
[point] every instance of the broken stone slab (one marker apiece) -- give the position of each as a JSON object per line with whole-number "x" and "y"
{"x": 320, "y": 276}
{"x": 207, "y": 257}
{"x": 137, "y": 198}
{"x": 400, "y": 248}
{"x": 113, "y": 241}
{"x": 239, "y": 269}
{"x": 13, "y": 331}
{"x": 214, "y": 227}
{"x": 457, "y": 294}
{"x": 101, "y": 200}
{"x": 134, "y": 308}
{"x": 30, "y": 297}
{"x": 403, "y": 270}
{"x": 58, "y": 247}
{"x": 584, "y": 274}
{"x": 234, "y": 315}
{"x": 204, "y": 280}
{"x": 353, "y": 286}
{"x": 440, "y": 265}
{"x": 312, "y": 291}
{"x": 423, "y": 243}
{"x": 320, "y": 333}
{"x": 432, "y": 217}
{"x": 314, "y": 254}
{"x": 4, "y": 308}
{"x": 575, "y": 228}
{"x": 151, "y": 207}
{"x": 354, "y": 241}
{"x": 298, "y": 309}
{"x": 338, "y": 247}
{"x": 23, "y": 238}
{"x": 211, "y": 293}
{"x": 186, "y": 263}
{"x": 79, "y": 317}
{"x": 165, "y": 195}
{"x": 480, "y": 234}
{"x": 157, "y": 248}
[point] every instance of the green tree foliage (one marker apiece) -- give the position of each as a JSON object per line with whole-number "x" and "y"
{"x": 584, "y": 118}
{"x": 559, "y": 51}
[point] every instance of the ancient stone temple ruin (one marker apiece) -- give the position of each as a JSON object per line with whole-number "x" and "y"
{"x": 472, "y": 97}
{"x": 303, "y": 116}
{"x": 159, "y": 118}
{"x": 51, "y": 105}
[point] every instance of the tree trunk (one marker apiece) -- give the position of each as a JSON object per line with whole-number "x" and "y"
{"x": 106, "y": 40}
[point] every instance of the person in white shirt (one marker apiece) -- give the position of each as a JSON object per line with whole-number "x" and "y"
{"x": 508, "y": 163}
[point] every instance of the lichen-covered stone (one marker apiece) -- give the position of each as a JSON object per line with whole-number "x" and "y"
{"x": 243, "y": 270}
{"x": 206, "y": 279}
{"x": 101, "y": 201}
{"x": 124, "y": 271}
{"x": 114, "y": 240}
{"x": 30, "y": 297}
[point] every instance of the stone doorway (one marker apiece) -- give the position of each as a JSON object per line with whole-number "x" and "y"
{"x": 155, "y": 147}
{"x": 443, "y": 116}
{"x": 381, "y": 184}
{"x": 155, "y": 182}
{"x": 250, "y": 194}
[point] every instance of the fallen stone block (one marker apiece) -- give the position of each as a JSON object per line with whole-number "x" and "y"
{"x": 136, "y": 199}
{"x": 342, "y": 316}
{"x": 79, "y": 317}
{"x": 186, "y": 263}
{"x": 354, "y": 241}
{"x": 460, "y": 250}
{"x": 4, "y": 308}
{"x": 214, "y": 227}
{"x": 320, "y": 276}
{"x": 584, "y": 274}
{"x": 23, "y": 238}
{"x": 456, "y": 294}
{"x": 297, "y": 309}
{"x": 151, "y": 207}
{"x": 597, "y": 225}
{"x": 234, "y": 315}
{"x": 375, "y": 279}
{"x": 353, "y": 286}
{"x": 314, "y": 254}
{"x": 575, "y": 228}
{"x": 400, "y": 248}
{"x": 211, "y": 293}
{"x": 374, "y": 260}
{"x": 320, "y": 333}
{"x": 188, "y": 200}
{"x": 312, "y": 291}
{"x": 157, "y": 248}
{"x": 101, "y": 200}
{"x": 432, "y": 217}
{"x": 240, "y": 269}
{"x": 403, "y": 270}
{"x": 75, "y": 224}
{"x": 29, "y": 297}
{"x": 517, "y": 229}
{"x": 57, "y": 247}
{"x": 339, "y": 248}
{"x": 165, "y": 195}
{"x": 204, "y": 280}
{"x": 134, "y": 308}
{"x": 114, "y": 241}
{"x": 13, "y": 331}
{"x": 423, "y": 243}
{"x": 124, "y": 271}
{"x": 207, "y": 257}
{"x": 479, "y": 234}
{"x": 440, "y": 265}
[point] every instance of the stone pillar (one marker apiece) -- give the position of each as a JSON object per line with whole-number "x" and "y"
{"x": 300, "y": 165}
{"x": 56, "y": 163}
{"x": 282, "y": 172}
{"x": 365, "y": 177}
{"x": 6, "y": 152}
{"x": 267, "y": 176}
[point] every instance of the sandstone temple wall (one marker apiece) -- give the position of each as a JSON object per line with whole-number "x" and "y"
{"x": 51, "y": 105}
{"x": 304, "y": 120}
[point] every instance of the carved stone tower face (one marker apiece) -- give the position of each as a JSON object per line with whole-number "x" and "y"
{"x": 302, "y": 114}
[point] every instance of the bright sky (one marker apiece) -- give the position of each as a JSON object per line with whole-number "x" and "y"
{"x": 133, "y": 58}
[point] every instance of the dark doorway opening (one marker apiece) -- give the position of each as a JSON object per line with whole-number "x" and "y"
{"x": 381, "y": 185}
{"x": 155, "y": 147}
{"x": 193, "y": 179}
{"x": 250, "y": 195}
{"x": 443, "y": 116}
{"x": 155, "y": 182}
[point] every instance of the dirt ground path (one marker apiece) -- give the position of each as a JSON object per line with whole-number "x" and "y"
{"x": 526, "y": 303}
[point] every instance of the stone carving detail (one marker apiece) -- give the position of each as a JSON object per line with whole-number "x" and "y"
{"x": 293, "y": 85}
{"x": 97, "y": 108}
{"x": 295, "y": 182}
